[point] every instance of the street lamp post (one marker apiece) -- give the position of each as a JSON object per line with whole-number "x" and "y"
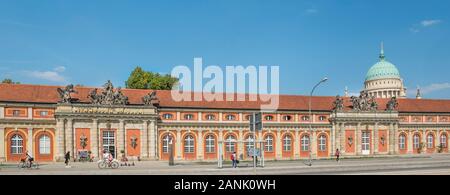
{"x": 310, "y": 118}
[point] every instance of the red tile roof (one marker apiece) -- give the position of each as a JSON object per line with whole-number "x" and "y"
{"x": 48, "y": 94}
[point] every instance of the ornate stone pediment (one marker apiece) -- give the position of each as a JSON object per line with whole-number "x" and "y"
{"x": 108, "y": 96}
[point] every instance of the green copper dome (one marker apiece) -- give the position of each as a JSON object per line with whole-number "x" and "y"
{"x": 382, "y": 70}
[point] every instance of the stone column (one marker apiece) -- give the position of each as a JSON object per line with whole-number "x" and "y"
{"x": 424, "y": 140}
{"x": 313, "y": 145}
{"x": 342, "y": 138}
{"x": 200, "y": 145}
{"x": 30, "y": 113}
{"x": 296, "y": 145}
{"x": 332, "y": 138}
{"x": 2, "y": 112}
{"x": 178, "y": 151}
{"x": 357, "y": 140}
{"x": 59, "y": 139}
{"x": 410, "y": 142}
{"x": 121, "y": 137}
{"x": 69, "y": 137}
{"x": 376, "y": 139}
{"x": 240, "y": 138}
{"x": 391, "y": 138}
{"x": 395, "y": 138}
{"x": 153, "y": 148}
{"x": 94, "y": 138}
{"x": 437, "y": 141}
{"x": 2, "y": 145}
{"x": 144, "y": 140}
{"x": 278, "y": 146}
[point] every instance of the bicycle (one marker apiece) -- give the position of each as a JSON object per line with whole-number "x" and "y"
{"x": 114, "y": 164}
{"x": 24, "y": 163}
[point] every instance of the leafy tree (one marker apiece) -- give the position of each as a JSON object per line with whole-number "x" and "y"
{"x": 9, "y": 81}
{"x": 141, "y": 79}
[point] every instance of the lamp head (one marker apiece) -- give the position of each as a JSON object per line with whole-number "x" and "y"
{"x": 324, "y": 79}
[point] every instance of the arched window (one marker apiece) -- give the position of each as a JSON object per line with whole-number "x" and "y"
{"x": 16, "y": 144}
{"x": 44, "y": 144}
{"x": 322, "y": 143}
{"x": 230, "y": 117}
{"x": 430, "y": 141}
{"x": 287, "y": 117}
{"x": 269, "y": 143}
{"x": 167, "y": 116}
{"x": 322, "y": 118}
{"x": 305, "y": 143}
{"x": 230, "y": 143}
{"x": 249, "y": 143}
{"x": 416, "y": 141}
{"x": 210, "y": 117}
{"x": 305, "y": 118}
{"x": 188, "y": 116}
{"x": 401, "y": 142}
{"x": 189, "y": 144}
{"x": 210, "y": 144}
{"x": 444, "y": 140}
{"x": 166, "y": 141}
{"x": 287, "y": 143}
{"x": 269, "y": 117}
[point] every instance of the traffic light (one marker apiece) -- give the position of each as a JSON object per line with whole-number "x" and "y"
{"x": 256, "y": 121}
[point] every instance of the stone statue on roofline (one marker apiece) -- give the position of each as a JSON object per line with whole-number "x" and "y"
{"x": 108, "y": 96}
{"x": 338, "y": 103}
{"x": 65, "y": 94}
{"x": 150, "y": 99}
{"x": 392, "y": 104}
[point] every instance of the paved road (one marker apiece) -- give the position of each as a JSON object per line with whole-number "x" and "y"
{"x": 430, "y": 165}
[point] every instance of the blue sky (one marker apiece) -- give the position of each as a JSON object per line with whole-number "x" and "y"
{"x": 89, "y": 42}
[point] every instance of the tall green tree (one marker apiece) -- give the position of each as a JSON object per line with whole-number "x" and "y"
{"x": 9, "y": 81}
{"x": 141, "y": 79}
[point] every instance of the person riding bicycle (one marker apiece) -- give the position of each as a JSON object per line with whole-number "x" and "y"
{"x": 29, "y": 158}
{"x": 107, "y": 156}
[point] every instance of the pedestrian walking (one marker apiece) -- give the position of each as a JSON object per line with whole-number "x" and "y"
{"x": 234, "y": 160}
{"x": 337, "y": 154}
{"x": 67, "y": 158}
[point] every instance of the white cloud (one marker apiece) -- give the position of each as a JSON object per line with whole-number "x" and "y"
{"x": 431, "y": 88}
{"x": 427, "y": 23}
{"x": 50, "y": 75}
{"x": 311, "y": 11}
{"x": 60, "y": 69}
{"x": 414, "y": 30}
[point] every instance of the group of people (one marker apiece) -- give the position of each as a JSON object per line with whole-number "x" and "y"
{"x": 235, "y": 161}
{"x": 106, "y": 156}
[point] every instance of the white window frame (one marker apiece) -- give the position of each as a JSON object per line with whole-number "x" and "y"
{"x": 416, "y": 141}
{"x": 16, "y": 113}
{"x": 430, "y": 141}
{"x": 43, "y": 113}
{"x": 210, "y": 117}
{"x": 287, "y": 143}
{"x": 401, "y": 142}
{"x": 44, "y": 144}
{"x": 210, "y": 144}
{"x": 305, "y": 143}
{"x": 188, "y": 117}
{"x": 249, "y": 143}
{"x": 322, "y": 118}
{"x": 230, "y": 117}
{"x": 189, "y": 144}
{"x": 166, "y": 142}
{"x": 287, "y": 117}
{"x": 167, "y": 116}
{"x": 16, "y": 144}
{"x": 443, "y": 140}
{"x": 305, "y": 118}
{"x": 269, "y": 143}
{"x": 230, "y": 143}
{"x": 269, "y": 118}
{"x": 322, "y": 143}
